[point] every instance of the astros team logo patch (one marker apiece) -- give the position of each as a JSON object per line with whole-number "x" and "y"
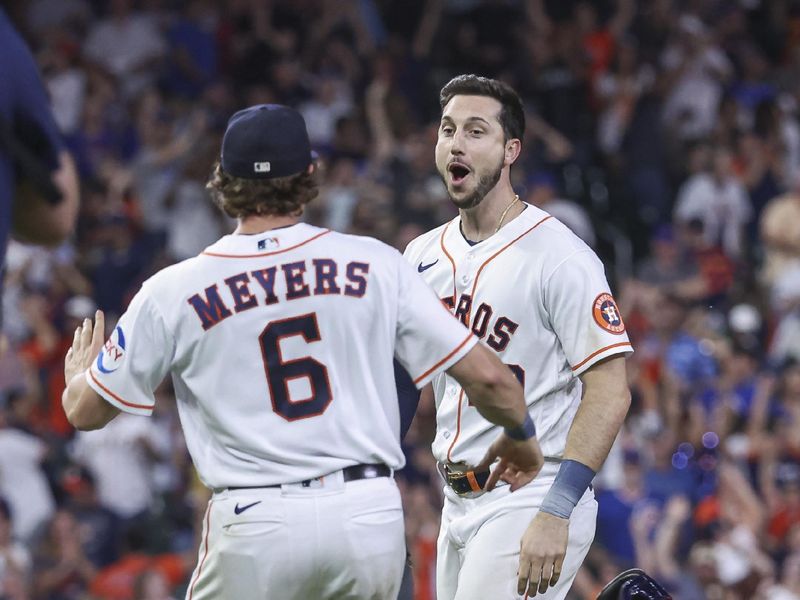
{"x": 110, "y": 357}
{"x": 606, "y": 314}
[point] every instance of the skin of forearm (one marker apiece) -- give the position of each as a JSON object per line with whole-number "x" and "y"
{"x": 491, "y": 387}
{"x": 603, "y": 407}
{"x": 498, "y": 402}
{"x": 85, "y": 409}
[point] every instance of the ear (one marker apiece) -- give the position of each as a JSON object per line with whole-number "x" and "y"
{"x": 512, "y": 152}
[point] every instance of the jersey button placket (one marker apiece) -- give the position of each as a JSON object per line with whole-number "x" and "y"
{"x": 464, "y": 270}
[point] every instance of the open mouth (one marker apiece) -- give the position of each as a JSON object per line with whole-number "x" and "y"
{"x": 458, "y": 173}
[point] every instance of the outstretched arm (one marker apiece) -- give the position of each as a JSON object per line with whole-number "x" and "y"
{"x": 495, "y": 392}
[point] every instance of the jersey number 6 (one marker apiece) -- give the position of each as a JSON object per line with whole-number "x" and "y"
{"x": 280, "y": 372}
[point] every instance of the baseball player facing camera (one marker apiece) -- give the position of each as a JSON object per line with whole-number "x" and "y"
{"x": 280, "y": 341}
{"x": 537, "y": 296}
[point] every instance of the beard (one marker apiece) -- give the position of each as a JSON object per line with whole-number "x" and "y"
{"x": 486, "y": 182}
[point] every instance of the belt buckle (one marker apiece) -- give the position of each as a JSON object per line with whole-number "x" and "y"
{"x": 464, "y": 478}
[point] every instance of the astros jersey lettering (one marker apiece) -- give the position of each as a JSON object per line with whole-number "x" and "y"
{"x": 538, "y": 296}
{"x": 323, "y": 313}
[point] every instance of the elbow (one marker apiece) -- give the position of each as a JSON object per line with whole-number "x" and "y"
{"x": 37, "y": 221}
{"x": 82, "y": 423}
{"x": 75, "y": 416}
{"x": 83, "y": 419}
{"x": 624, "y": 401}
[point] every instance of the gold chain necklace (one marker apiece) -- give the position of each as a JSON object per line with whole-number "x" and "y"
{"x": 505, "y": 212}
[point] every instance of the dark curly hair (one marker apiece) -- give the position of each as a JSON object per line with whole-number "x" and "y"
{"x": 239, "y": 197}
{"x": 512, "y": 114}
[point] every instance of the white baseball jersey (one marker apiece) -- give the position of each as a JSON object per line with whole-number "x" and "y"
{"x": 280, "y": 348}
{"x": 538, "y": 296}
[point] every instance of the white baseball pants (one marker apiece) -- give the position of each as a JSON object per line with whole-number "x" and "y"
{"x": 333, "y": 540}
{"x": 479, "y": 539}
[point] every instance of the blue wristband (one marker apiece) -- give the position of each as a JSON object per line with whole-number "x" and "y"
{"x": 568, "y": 488}
{"x": 522, "y": 432}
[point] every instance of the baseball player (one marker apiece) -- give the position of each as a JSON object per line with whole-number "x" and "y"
{"x": 279, "y": 340}
{"x": 536, "y": 295}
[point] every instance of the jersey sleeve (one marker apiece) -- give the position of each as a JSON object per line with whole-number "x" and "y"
{"x": 135, "y": 358}
{"x": 429, "y": 339}
{"x": 583, "y": 312}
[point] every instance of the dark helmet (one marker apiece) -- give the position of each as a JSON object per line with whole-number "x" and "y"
{"x": 633, "y": 584}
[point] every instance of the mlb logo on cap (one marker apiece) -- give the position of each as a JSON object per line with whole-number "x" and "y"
{"x": 265, "y": 141}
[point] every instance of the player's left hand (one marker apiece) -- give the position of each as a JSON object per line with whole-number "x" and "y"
{"x": 520, "y": 462}
{"x": 86, "y": 344}
{"x": 541, "y": 553}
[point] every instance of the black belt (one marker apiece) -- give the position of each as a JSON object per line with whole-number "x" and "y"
{"x": 348, "y": 473}
{"x": 464, "y": 482}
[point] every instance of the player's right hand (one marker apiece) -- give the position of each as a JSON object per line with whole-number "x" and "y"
{"x": 520, "y": 462}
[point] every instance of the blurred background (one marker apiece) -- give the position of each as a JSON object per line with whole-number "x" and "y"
{"x": 665, "y": 133}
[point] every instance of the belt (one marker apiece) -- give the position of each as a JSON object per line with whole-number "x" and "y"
{"x": 352, "y": 473}
{"x": 467, "y": 481}
{"x": 463, "y": 483}
{"x": 470, "y": 483}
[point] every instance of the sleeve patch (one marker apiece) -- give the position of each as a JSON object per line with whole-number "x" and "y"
{"x": 606, "y": 314}
{"x": 111, "y": 356}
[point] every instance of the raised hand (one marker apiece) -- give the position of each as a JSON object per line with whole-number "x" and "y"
{"x": 86, "y": 344}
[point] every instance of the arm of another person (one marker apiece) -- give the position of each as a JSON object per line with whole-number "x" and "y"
{"x": 497, "y": 394}
{"x": 37, "y": 221}
{"x": 35, "y": 143}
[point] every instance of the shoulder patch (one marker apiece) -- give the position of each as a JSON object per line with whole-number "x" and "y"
{"x": 606, "y": 314}
{"x": 110, "y": 357}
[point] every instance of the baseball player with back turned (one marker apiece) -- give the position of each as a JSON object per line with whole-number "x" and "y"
{"x": 279, "y": 339}
{"x": 534, "y": 293}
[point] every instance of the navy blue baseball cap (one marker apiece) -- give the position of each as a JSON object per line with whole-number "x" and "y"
{"x": 264, "y": 142}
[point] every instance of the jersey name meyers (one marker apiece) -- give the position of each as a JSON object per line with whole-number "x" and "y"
{"x": 301, "y": 279}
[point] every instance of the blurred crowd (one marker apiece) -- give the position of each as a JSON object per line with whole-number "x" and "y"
{"x": 665, "y": 133}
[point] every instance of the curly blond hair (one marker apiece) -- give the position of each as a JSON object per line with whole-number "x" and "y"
{"x": 239, "y": 197}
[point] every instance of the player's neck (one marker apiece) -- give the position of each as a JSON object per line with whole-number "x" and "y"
{"x": 498, "y": 208}
{"x": 259, "y": 224}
